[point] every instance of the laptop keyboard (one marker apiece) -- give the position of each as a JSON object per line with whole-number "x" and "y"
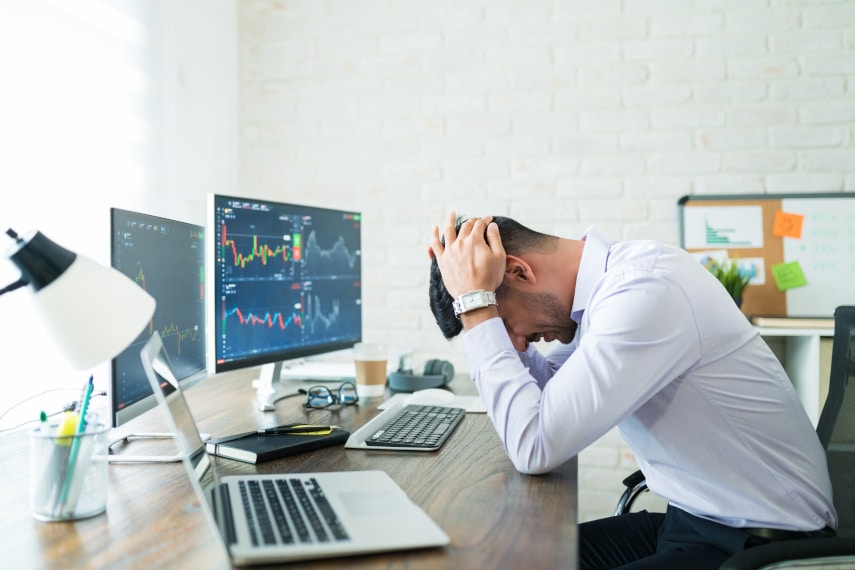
{"x": 417, "y": 426}
{"x": 287, "y": 511}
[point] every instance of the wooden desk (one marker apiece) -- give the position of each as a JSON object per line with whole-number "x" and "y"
{"x": 496, "y": 517}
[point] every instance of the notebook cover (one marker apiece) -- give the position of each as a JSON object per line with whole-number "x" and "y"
{"x": 258, "y": 448}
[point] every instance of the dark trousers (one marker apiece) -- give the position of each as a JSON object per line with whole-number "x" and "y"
{"x": 642, "y": 541}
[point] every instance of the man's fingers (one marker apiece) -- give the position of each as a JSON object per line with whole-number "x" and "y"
{"x": 477, "y": 228}
{"x": 479, "y": 225}
{"x": 450, "y": 235}
{"x": 466, "y": 228}
{"x": 435, "y": 247}
{"x": 494, "y": 238}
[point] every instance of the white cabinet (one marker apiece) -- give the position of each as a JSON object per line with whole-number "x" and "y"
{"x": 806, "y": 356}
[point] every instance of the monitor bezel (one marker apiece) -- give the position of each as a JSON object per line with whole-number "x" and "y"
{"x": 120, "y": 417}
{"x": 212, "y": 305}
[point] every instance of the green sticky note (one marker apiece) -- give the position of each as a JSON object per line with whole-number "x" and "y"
{"x": 788, "y": 275}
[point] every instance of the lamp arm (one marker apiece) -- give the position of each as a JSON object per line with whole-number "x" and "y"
{"x": 20, "y": 282}
{"x": 12, "y": 286}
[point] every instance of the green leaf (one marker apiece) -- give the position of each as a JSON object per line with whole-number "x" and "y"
{"x": 729, "y": 275}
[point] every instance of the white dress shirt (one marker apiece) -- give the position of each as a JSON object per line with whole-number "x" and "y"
{"x": 663, "y": 353}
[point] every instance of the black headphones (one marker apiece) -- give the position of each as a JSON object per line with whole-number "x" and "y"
{"x": 437, "y": 374}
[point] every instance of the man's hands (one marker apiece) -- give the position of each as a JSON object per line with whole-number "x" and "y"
{"x": 471, "y": 260}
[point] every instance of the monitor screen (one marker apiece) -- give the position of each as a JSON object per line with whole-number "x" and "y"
{"x": 167, "y": 259}
{"x": 285, "y": 281}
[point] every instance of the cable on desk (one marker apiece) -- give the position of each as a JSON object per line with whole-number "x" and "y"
{"x": 69, "y": 407}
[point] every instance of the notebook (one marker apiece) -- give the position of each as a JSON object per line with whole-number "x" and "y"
{"x": 253, "y": 448}
{"x": 312, "y": 515}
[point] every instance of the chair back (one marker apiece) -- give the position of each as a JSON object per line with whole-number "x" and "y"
{"x": 836, "y": 427}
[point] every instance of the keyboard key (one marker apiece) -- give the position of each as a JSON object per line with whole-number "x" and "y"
{"x": 309, "y": 509}
{"x": 327, "y": 511}
{"x": 418, "y": 426}
{"x": 294, "y": 511}
{"x": 297, "y": 508}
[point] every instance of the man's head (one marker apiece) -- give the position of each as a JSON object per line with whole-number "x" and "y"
{"x": 517, "y": 240}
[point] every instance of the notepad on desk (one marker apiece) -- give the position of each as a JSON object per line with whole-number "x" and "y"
{"x": 256, "y": 448}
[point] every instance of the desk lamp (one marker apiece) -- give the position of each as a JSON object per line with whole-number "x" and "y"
{"x": 91, "y": 311}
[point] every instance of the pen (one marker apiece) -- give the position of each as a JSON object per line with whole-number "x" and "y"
{"x": 75, "y": 444}
{"x": 297, "y": 429}
{"x": 44, "y": 426}
{"x": 58, "y": 462}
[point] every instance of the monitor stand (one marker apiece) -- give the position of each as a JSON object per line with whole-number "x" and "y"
{"x": 113, "y": 457}
{"x": 268, "y": 389}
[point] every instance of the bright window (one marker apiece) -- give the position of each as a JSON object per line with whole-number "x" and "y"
{"x": 83, "y": 126}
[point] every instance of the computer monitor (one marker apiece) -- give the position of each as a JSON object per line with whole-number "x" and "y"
{"x": 167, "y": 259}
{"x": 285, "y": 283}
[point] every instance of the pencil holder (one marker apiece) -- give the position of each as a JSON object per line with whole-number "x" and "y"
{"x": 68, "y": 473}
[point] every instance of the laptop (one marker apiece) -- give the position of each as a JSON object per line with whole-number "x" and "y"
{"x": 261, "y": 519}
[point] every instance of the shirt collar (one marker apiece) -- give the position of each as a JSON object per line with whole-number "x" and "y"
{"x": 591, "y": 267}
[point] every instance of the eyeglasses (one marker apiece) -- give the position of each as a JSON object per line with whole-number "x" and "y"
{"x": 323, "y": 397}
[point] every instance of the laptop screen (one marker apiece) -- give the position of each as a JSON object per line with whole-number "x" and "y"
{"x": 171, "y": 400}
{"x": 166, "y": 389}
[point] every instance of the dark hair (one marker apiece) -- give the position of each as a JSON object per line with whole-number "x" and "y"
{"x": 516, "y": 239}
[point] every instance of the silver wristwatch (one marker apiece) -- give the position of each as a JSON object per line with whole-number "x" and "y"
{"x": 473, "y": 300}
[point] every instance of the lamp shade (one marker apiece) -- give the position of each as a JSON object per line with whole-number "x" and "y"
{"x": 91, "y": 311}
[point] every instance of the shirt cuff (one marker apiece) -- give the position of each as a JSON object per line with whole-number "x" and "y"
{"x": 484, "y": 341}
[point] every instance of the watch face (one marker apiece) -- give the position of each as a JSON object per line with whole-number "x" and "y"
{"x": 473, "y": 300}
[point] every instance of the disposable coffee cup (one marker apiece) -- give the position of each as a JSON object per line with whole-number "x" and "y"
{"x": 68, "y": 473}
{"x": 370, "y": 359}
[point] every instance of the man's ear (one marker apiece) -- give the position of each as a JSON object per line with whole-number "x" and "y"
{"x": 517, "y": 270}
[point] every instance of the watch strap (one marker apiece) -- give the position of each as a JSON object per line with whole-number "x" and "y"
{"x": 473, "y": 300}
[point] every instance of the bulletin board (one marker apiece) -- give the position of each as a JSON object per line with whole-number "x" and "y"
{"x": 798, "y": 248}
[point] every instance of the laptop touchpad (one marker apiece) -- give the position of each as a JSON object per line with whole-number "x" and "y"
{"x": 371, "y": 503}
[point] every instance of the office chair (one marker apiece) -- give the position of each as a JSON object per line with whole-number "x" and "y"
{"x": 836, "y": 431}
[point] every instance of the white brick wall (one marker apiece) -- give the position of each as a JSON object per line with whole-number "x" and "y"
{"x": 562, "y": 113}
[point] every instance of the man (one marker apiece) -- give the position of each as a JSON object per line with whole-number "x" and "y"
{"x": 650, "y": 342}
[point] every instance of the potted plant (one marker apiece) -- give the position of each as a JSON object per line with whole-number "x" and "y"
{"x": 729, "y": 275}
